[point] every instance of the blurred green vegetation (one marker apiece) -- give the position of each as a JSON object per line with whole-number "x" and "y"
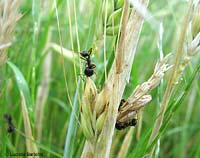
{"x": 180, "y": 138}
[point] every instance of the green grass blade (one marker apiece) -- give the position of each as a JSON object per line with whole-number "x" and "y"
{"x": 41, "y": 146}
{"x": 23, "y": 88}
{"x": 175, "y": 104}
{"x": 72, "y": 125}
{"x": 93, "y": 21}
{"x": 141, "y": 148}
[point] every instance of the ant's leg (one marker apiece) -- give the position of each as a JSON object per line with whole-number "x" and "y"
{"x": 83, "y": 58}
{"x": 90, "y": 51}
{"x": 93, "y": 66}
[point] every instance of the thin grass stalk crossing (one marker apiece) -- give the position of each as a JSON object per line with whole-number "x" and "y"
{"x": 169, "y": 88}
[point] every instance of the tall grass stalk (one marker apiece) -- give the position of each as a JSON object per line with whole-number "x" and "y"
{"x": 105, "y": 5}
{"x": 170, "y": 84}
{"x": 116, "y": 84}
{"x": 36, "y": 26}
{"x": 40, "y": 86}
{"x": 43, "y": 89}
{"x": 71, "y": 134}
{"x": 61, "y": 50}
{"x": 184, "y": 136}
{"x": 26, "y": 107}
{"x": 126, "y": 143}
{"x": 42, "y": 94}
{"x": 71, "y": 41}
{"x": 30, "y": 146}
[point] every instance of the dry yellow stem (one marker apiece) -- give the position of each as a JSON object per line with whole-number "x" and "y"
{"x": 42, "y": 94}
{"x": 118, "y": 82}
{"x": 121, "y": 46}
{"x": 126, "y": 143}
{"x": 30, "y": 145}
{"x": 168, "y": 90}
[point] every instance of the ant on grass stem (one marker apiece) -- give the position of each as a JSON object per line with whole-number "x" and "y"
{"x": 130, "y": 121}
{"x": 11, "y": 127}
{"x": 89, "y": 69}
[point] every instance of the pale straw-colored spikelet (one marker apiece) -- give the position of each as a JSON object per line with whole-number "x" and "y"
{"x": 196, "y": 20}
{"x": 90, "y": 92}
{"x": 140, "y": 96}
{"x": 9, "y": 15}
{"x": 93, "y": 109}
{"x": 86, "y": 117}
{"x": 194, "y": 46}
{"x": 117, "y": 80}
{"x": 100, "y": 122}
{"x": 159, "y": 70}
{"x": 88, "y": 120}
{"x": 102, "y": 100}
{"x": 94, "y": 105}
{"x": 30, "y": 142}
{"x": 192, "y": 50}
{"x": 131, "y": 105}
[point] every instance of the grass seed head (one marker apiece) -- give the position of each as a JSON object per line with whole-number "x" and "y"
{"x": 93, "y": 109}
{"x": 90, "y": 92}
{"x": 114, "y": 17}
{"x": 102, "y": 100}
{"x": 194, "y": 46}
{"x": 9, "y": 16}
{"x": 119, "y": 3}
{"x": 130, "y": 108}
{"x": 158, "y": 74}
{"x": 100, "y": 122}
{"x": 86, "y": 127}
{"x": 87, "y": 116}
{"x": 140, "y": 96}
{"x": 196, "y": 21}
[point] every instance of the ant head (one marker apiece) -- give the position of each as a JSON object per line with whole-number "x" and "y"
{"x": 8, "y": 117}
{"x": 84, "y": 53}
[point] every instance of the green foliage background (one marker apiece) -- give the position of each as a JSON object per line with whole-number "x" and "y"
{"x": 181, "y": 135}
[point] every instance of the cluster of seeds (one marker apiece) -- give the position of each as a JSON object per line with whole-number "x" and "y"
{"x": 94, "y": 104}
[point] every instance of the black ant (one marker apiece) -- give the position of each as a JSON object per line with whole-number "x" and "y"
{"x": 11, "y": 127}
{"x": 122, "y": 125}
{"x": 89, "y": 70}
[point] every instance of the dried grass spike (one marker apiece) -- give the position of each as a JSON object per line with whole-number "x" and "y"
{"x": 90, "y": 92}
{"x": 140, "y": 103}
{"x": 196, "y": 21}
{"x": 130, "y": 107}
{"x": 194, "y": 47}
{"x": 159, "y": 70}
{"x": 86, "y": 127}
{"x": 100, "y": 122}
{"x": 86, "y": 109}
{"x": 9, "y": 15}
{"x": 102, "y": 100}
